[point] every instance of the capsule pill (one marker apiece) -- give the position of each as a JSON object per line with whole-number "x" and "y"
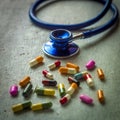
{"x": 71, "y": 65}
{"x": 47, "y": 74}
{"x": 73, "y": 80}
{"x": 49, "y": 82}
{"x": 65, "y": 99}
{"x": 80, "y": 75}
{"x": 90, "y": 65}
{"x": 44, "y": 91}
{"x": 28, "y": 90}
{"x": 24, "y": 81}
{"x": 89, "y": 80}
{"x": 21, "y": 106}
{"x": 13, "y": 90}
{"x": 66, "y": 70}
{"x": 86, "y": 99}
{"x": 61, "y": 88}
{"x": 41, "y": 106}
{"x": 72, "y": 88}
{"x": 100, "y": 95}
{"x": 54, "y": 65}
{"x": 36, "y": 61}
{"x": 100, "y": 74}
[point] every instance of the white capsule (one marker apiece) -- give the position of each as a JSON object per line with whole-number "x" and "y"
{"x": 36, "y": 61}
{"x": 72, "y": 88}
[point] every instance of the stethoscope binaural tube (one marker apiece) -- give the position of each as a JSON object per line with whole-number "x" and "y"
{"x": 50, "y": 48}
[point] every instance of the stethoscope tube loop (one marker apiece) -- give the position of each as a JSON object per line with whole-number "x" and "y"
{"x": 60, "y": 44}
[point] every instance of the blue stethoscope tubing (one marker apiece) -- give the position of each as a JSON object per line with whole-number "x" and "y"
{"x": 107, "y": 5}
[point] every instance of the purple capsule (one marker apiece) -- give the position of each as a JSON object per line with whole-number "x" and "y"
{"x": 13, "y": 90}
{"x": 86, "y": 99}
{"x": 90, "y": 65}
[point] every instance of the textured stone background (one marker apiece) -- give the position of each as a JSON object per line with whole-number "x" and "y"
{"x": 21, "y": 41}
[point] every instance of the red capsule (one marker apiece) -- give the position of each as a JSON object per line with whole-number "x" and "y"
{"x": 56, "y": 64}
{"x": 87, "y": 76}
{"x": 49, "y": 82}
{"x": 47, "y": 74}
{"x": 89, "y": 80}
{"x": 72, "y": 80}
{"x": 65, "y": 99}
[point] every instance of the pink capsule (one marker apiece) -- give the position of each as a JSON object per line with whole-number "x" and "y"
{"x": 90, "y": 65}
{"x": 47, "y": 74}
{"x": 13, "y": 90}
{"x": 86, "y": 99}
{"x": 57, "y": 63}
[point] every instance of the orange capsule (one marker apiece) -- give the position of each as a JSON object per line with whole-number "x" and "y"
{"x": 36, "y": 61}
{"x": 71, "y": 65}
{"x": 24, "y": 81}
{"x": 72, "y": 88}
{"x": 66, "y": 70}
{"x": 100, "y": 95}
{"x": 100, "y": 74}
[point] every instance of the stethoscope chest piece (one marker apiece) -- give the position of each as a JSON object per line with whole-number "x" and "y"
{"x": 60, "y": 44}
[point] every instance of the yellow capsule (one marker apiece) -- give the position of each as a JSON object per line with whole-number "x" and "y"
{"x": 100, "y": 95}
{"x": 24, "y": 81}
{"x": 100, "y": 74}
{"x": 49, "y": 92}
{"x": 36, "y": 61}
{"x": 17, "y": 108}
{"x": 44, "y": 91}
{"x": 21, "y": 106}
{"x": 36, "y": 107}
{"x": 71, "y": 65}
{"x": 66, "y": 70}
{"x": 41, "y": 106}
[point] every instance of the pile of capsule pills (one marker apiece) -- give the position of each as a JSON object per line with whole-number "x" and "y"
{"x": 65, "y": 94}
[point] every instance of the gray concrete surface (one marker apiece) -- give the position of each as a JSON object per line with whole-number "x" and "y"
{"x": 21, "y": 41}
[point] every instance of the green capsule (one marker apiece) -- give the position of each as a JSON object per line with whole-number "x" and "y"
{"x": 61, "y": 89}
{"x": 80, "y": 75}
{"x": 21, "y": 106}
{"x": 42, "y": 91}
{"x": 28, "y": 90}
{"x": 41, "y": 106}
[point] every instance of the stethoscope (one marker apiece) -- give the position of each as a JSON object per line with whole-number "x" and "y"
{"x": 61, "y": 43}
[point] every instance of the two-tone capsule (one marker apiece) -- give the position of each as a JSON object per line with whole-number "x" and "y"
{"x": 89, "y": 80}
{"x": 65, "y": 99}
{"x": 73, "y": 80}
{"x": 86, "y": 99}
{"x": 67, "y": 70}
{"x": 36, "y": 61}
{"x": 72, "y": 88}
{"x": 47, "y": 74}
{"x": 54, "y": 65}
{"x": 71, "y": 65}
{"x": 21, "y": 106}
{"x": 41, "y": 106}
{"x": 80, "y": 75}
{"x": 61, "y": 88}
{"x": 24, "y": 81}
{"x": 13, "y": 90}
{"x": 49, "y": 82}
{"x": 100, "y": 96}
{"x": 90, "y": 65}
{"x": 44, "y": 91}
{"x": 100, "y": 74}
{"x": 28, "y": 90}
